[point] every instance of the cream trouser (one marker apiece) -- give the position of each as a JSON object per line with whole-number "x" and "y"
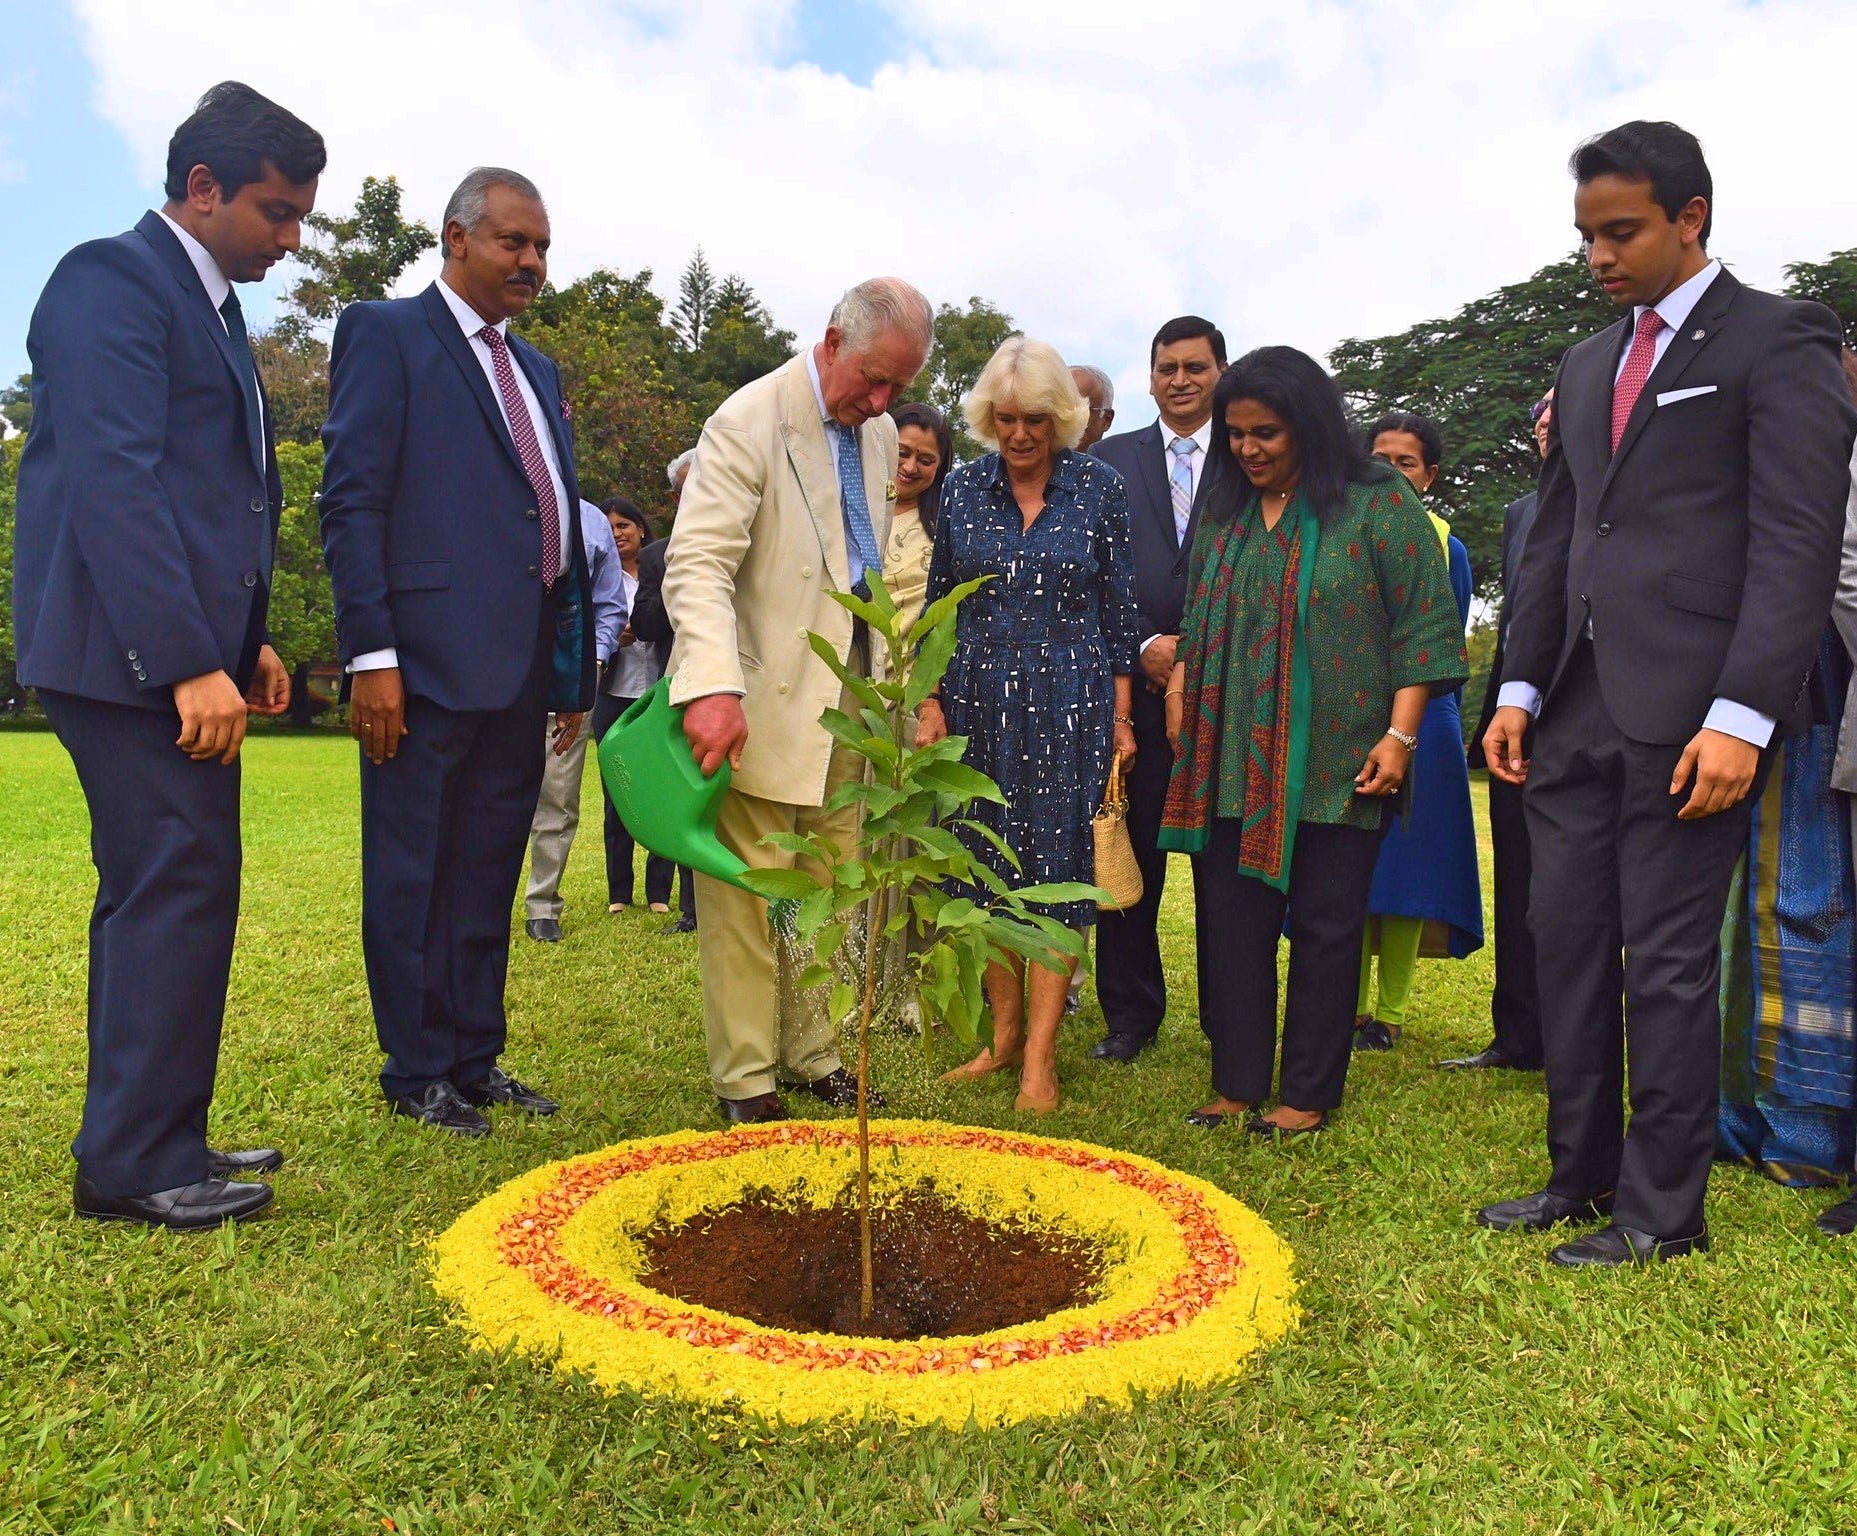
{"x": 557, "y": 814}
{"x": 758, "y": 1025}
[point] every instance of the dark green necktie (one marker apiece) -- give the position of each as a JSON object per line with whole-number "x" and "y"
{"x": 248, "y": 375}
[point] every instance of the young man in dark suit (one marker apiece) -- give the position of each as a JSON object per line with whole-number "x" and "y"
{"x": 1165, "y": 467}
{"x": 464, "y": 615}
{"x": 1515, "y": 1002}
{"x": 147, "y": 517}
{"x": 1672, "y": 593}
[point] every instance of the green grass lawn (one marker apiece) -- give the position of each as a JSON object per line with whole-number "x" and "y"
{"x": 299, "y": 1375}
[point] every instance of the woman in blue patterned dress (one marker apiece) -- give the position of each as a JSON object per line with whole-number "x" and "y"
{"x": 1043, "y": 665}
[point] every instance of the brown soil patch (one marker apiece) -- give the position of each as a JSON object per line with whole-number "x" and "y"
{"x": 939, "y": 1272}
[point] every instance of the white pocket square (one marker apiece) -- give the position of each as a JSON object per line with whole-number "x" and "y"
{"x": 1671, "y": 396}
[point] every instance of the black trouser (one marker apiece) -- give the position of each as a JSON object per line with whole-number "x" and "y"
{"x": 659, "y": 871}
{"x": 1240, "y": 919}
{"x": 444, "y": 826}
{"x": 1130, "y": 983}
{"x": 164, "y": 836}
{"x": 1627, "y": 901}
{"x": 1515, "y": 1001}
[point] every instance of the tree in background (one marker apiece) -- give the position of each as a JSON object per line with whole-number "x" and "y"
{"x": 359, "y": 255}
{"x": 11, "y": 694}
{"x": 16, "y": 404}
{"x": 293, "y": 361}
{"x": 1476, "y": 373}
{"x": 964, "y": 340}
{"x": 301, "y": 616}
{"x": 1833, "y": 282}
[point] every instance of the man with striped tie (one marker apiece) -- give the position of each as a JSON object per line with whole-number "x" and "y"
{"x": 464, "y": 616}
{"x": 789, "y": 501}
{"x": 1165, "y": 467}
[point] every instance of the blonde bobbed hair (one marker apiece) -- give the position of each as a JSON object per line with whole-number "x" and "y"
{"x": 1028, "y": 374}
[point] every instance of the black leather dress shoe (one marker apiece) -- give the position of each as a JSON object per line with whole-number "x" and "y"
{"x": 209, "y": 1203}
{"x": 500, "y": 1088}
{"x": 684, "y": 924}
{"x": 1538, "y": 1212}
{"x": 1375, "y": 1036}
{"x": 1118, "y": 1047}
{"x": 1840, "y": 1220}
{"x": 1257, "y": 1125}
{"x": 839, "y": 1089}
{"x": 1485, "y": 1060}
{"x": 758, "y": 1110}
{"x": 545, "y": 929}
{"x": 443, "y": 1108}
{"x": 1614, "y": 1247}
{"x": 243, "y": 1165}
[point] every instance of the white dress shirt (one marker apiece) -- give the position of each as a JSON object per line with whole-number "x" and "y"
{"x": 218, "y": 287}
{"x": 472, "y": 324}
{"x": 1202, "y": 442}
{"x": 1725, "y": 715}
{"x": 854, "y": 557}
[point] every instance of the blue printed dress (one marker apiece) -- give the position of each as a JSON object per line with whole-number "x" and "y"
{"x": 1038, "y": 648}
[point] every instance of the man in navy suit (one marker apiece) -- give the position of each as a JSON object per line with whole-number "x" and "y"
{"x": 463, "y": 612}
{"x": 1670, "y": 600}
{"x": 147, "y": 515}
{"x": 1166, "y": 468}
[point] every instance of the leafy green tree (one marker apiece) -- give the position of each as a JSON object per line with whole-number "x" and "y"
{"x": 293, "y": 361}
{"x": 359, "y": 255}
{"x": 696, "y": 298}
{"x": 16, "y": 403}
{"x": 964, "y": 340}
{"x": 302, "y": 611}
{"x": 740, "y": 344}
{"x": 1476, "y": 373}
{"x": 1833, "y": 282}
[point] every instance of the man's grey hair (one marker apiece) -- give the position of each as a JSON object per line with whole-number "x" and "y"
{"x": 470, "y": 201}
{"x": 880, "y": 305}
{"x": 1103, "y": 380}
{"x": 684, "y": 459}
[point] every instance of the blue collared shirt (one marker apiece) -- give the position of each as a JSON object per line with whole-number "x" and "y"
{"x": 608, "y": 580}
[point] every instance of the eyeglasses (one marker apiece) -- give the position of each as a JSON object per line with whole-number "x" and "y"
{"x": 1537, "y": 411}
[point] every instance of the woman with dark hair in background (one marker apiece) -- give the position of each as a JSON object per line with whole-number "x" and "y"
{"x": 924, "y": 455}
{"x": 1426, "y": 897}
{"x": 635, "y": 667}
{"x": 1319, "y": 623}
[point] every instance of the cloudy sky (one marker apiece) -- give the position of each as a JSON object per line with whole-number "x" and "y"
{"x": 1301, "y": 171}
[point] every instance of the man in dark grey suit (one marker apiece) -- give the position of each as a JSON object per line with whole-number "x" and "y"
{"x": 1515, "y": 1003}
{"x": 1166, "y": 468}
{"x": 1671, "y": 597}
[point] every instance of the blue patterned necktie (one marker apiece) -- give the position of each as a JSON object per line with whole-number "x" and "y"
{"x": 1182, "y": 450}
{"x": 857, "y": 508}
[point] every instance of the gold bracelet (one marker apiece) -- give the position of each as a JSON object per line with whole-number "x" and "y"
{"x": 1125, "y": 720}
{"x": 1174, "y": 693}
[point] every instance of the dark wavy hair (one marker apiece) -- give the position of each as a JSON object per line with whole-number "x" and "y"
{"x": 234, "y": 132}
{"x": 919, "y": 413}
{"x": 1431, "y": 440}
{"x": 625, "y": 507}
{"x": 1668, "y": 157}
{"x": 1295, "y": 386}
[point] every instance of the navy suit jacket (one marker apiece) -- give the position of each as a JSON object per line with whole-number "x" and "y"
{"x": 429, "y": 523}
{"x": 145, "y": 526}
{"x": 1160, "y": 557}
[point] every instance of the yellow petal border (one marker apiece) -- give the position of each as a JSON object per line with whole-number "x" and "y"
{"x": 548, "y": 1265}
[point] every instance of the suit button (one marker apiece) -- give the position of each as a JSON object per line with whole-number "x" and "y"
{"x": 1603, "y": 529}
{"x": 257, "y": 503}
{"x": 806, "y": 570}
{"x": 535, "y": 570}
{"x": 134, "y": 657}
{"x": 801, "y": 633}
{"x": 251, "y": 578}
{"x": 531, "y": 514}
{"x": 783, "y": 687}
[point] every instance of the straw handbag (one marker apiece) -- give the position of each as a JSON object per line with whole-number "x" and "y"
{"x": 1116, "y": 869}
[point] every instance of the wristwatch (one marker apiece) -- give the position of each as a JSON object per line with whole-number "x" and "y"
{"x": 1410, "y": 743}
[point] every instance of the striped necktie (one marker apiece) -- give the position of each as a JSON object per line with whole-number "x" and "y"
{"x": 522, "y": 429}
{"x": 1182, "y": 484}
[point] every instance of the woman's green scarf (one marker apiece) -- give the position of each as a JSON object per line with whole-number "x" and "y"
{"x": 1269, "y": 687}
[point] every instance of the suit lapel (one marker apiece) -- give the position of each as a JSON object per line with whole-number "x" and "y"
{"x": 1151, "y": 477}
{"x": 153, "y": 228}
{"x": 1585, "y": 403}
{"x": 452, "y": 338}
{"x": 876, "y": 483}
{"x": 547, "y": 395}
{"x": 1703, "y": 326}
{"x": 1208, "y": 477}
{"x": 811, "y": 457}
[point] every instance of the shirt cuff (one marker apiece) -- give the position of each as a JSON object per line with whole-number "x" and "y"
{"x": 374, "y": 661}
{"x": 1142, "y": 649}
{"x": 1519, "y": 696}
{"x": 1733, "y": 719}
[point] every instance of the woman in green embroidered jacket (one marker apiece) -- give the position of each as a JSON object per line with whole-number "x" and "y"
{"x": 1320, "y": 619}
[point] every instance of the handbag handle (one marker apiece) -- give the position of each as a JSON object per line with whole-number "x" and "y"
{"x": 1113, "y": 797}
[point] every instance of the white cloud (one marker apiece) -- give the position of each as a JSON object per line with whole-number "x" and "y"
{"x": 1302, "y": 172}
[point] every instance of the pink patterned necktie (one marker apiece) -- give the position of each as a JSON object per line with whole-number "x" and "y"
{"x": 522, "y": 429}
{"x": 1638, "y": 364}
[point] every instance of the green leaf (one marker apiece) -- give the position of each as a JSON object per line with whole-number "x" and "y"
{"x": 958, "y": 779}
{"x": 774, "y": 884}
{"x": 944, "y": 607}
{"x": 861, "y": 686}
{"x": 1059, "y": 892}
{"x": 933, "y": 654}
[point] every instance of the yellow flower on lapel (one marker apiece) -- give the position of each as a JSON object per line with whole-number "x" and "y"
{"x": 889, "y": 490}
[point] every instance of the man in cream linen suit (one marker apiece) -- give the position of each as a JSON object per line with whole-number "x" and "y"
{"x": 789, "y": 501}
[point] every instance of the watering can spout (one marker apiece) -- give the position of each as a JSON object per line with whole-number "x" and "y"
{"x": 659, "y": 790}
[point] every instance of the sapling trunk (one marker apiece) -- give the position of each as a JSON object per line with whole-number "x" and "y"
{"x": 871, "y": 943}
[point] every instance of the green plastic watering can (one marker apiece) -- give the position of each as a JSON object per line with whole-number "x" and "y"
{"x": 659, "y": 790}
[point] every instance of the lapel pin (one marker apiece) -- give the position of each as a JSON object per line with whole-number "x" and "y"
{"x": 1697, "y": 335}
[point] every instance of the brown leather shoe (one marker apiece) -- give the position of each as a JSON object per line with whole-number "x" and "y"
{"x": 758, "y": 1110}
